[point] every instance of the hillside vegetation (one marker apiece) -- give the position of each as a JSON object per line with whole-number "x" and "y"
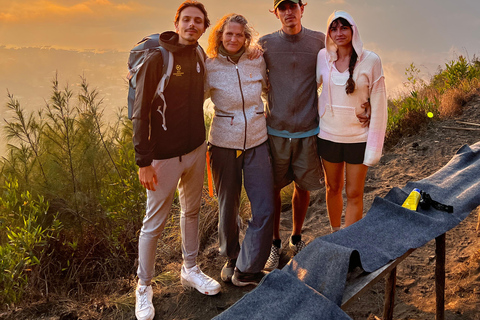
{"x": 71, "y": 205}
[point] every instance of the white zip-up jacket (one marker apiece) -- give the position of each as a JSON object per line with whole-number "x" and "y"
{"x": 235, "y": 89}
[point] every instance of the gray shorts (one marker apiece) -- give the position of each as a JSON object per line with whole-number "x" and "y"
{"x": 296, "y": 159}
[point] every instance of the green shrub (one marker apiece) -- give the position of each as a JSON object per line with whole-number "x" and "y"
{"x": 456, "y": 72}
{"x": 28, "y": 228}
{"x": 443, "y": 96}
{"x": 410, "y": 115}
{"x": 85, "y": 169}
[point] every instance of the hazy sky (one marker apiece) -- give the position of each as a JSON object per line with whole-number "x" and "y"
{"x": 426, "y": 32}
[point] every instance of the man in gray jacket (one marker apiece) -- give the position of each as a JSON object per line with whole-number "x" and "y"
{"x": 292, "y": 116}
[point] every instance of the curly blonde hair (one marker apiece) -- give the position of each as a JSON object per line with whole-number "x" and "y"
{"x": 215, "y": 37}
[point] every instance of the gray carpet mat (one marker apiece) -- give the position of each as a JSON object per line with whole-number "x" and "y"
{"x": 386, "y": 232}
{"x": 282, "y": 296}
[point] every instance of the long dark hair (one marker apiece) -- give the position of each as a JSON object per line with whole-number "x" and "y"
{"x": 353, "y": 58}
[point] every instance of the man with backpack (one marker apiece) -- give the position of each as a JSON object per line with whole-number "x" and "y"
{"x": 169, "y": 140}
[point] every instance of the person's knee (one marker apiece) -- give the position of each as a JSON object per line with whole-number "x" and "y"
{"x": 192, "y": 213}
{"x": 190, "y": 204}
{"x": 334, "y": 188}
{"x": 150, "y": 234}
{"x": 261, "y": 222}
{"x": 354, "y": 195}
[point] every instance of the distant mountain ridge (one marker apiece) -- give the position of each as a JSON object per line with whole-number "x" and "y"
{"x": 27, "y": 73}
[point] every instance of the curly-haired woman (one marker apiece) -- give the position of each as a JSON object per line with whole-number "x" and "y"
{"x": 239, "y": 149}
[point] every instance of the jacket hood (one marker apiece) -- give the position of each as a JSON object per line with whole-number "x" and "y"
{"x": 356, "y": 41}
{"x": 169, "y": 40}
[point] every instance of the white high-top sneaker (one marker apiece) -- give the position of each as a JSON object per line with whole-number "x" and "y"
{"x": 144, "y": 309}
{"x": 195, "y": 278}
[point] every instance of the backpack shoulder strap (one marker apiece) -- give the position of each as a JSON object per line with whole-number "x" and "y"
{"x": 167, "y": 57}
{"x": 201, "y": 54}
{"x": 167, "y": 69}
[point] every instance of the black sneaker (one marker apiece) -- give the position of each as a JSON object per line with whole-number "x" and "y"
{"x": 241, "y": 279}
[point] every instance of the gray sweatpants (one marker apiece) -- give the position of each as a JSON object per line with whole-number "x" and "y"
{"x": 255, "y": 167}
{"x": 188, "y": 175}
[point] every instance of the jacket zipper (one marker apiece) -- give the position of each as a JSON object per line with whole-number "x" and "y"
{"x": 243, "y": 103}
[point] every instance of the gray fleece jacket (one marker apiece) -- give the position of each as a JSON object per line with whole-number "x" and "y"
{"x": 235, "y": 89}
{"x": 291, "y": 64}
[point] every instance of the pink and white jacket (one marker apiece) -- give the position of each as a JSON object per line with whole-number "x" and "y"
{"x": 337, "y": 110}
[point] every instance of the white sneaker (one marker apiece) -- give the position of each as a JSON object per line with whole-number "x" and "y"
{"x": 195, "y": 278}
{"x": 144, "y": 309}
{"x": 228, "y": 270}
{"x": 335, "y": 229}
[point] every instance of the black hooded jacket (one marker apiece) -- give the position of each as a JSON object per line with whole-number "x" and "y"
{"x": 184, "y": 113}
